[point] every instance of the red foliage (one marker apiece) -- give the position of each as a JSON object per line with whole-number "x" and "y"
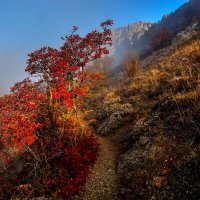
{"x": 71, "y": 169}
{"x": 63, "y": 70}
{"x": 38, "y": 115}
{"x": 63, "y": 173}
{"x": 18, "y": 114}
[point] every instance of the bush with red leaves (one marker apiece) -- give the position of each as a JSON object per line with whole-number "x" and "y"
{"x": 71, "y": 168}
{"x": 47, "y": 151}
{"x": 58, "y": 173}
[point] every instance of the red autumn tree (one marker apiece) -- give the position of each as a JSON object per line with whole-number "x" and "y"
{"x": 63, "y": 70}
{"x": 38, "y": 114}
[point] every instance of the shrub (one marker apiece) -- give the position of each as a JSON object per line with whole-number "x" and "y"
{"x": 58, "y": 168}
{"x": 132, "y": 64}
{"x": 47, "y": 151}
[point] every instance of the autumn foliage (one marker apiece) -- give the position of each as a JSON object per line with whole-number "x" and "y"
{"x": 39, "y": 119}
{"x": 132, "y": 64}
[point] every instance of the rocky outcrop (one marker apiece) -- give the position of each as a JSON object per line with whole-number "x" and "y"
{"x": 111, "y": 114}
{"x": 116, "y": 119}
{"x": 127, "y": 38}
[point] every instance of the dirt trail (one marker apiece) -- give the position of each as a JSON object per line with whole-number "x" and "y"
{"x": 101, "y": 183}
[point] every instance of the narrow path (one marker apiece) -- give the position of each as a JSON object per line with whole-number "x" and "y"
{"x": 101, "y": 183}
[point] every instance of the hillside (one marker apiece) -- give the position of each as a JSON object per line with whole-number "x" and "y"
{"x": 153, "y": 119}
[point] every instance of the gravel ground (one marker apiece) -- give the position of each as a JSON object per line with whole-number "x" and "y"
{"x": 101, "y": 183}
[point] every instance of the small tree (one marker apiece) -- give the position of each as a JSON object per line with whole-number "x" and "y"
{"x": 63, "y": 71}
{"x": 161, "y": 39}
{"x": 132, "y": 64}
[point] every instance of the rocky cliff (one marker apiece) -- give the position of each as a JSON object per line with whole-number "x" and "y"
{"x": 127, "y": 38}
{"x": 137, "y": 37}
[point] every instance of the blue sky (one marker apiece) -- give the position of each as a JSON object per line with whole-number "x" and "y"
{"x": 26, "y": 25}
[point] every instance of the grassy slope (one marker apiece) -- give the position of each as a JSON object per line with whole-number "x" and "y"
{"x": 160, "y": 109}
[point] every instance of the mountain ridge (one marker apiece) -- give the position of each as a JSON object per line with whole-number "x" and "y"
{"x": 137, "y": 37}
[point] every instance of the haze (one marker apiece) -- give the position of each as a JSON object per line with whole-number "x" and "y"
{"x": 27, "y": 25}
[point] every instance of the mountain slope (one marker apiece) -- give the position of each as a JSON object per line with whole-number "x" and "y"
{"x": 158, "y": 109}
{"x": 153, "y": 116}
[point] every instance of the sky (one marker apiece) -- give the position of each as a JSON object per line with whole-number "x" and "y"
{"x": 27, "y": 25}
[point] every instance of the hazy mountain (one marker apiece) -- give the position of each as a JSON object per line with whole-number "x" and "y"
{"x": 137, "y": 37}
{"x": 126, "y": 38}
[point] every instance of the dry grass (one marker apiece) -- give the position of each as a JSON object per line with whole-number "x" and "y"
{"x": 165, "y": 99}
